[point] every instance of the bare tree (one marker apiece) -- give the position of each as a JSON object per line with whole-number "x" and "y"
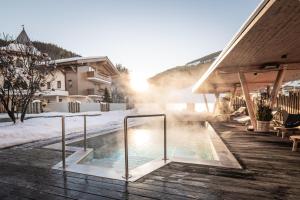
{"x": 23, "y": 71}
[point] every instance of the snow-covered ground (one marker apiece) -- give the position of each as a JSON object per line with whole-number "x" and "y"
{"x": 47, "y": 127}
{"x": 51, "y": 114}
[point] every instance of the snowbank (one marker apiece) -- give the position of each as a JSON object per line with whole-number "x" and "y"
{"x": 42, "y": 128}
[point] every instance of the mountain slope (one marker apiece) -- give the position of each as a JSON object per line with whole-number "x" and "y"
{"x": 183, "y": 76}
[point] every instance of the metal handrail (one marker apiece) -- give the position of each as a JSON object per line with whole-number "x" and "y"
{"x": 63, "y": 139}
{"x": 127, "y": 176}
{"x": 84, "y": 132}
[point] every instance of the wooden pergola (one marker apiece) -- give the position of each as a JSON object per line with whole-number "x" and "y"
{"x": 265, "y": 52}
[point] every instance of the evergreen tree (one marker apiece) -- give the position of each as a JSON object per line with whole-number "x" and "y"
{"x": 106, "y": 97}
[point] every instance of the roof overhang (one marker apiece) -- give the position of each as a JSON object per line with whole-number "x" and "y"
{"x": 100, "y": 61}
{"x": 269, "y": 41}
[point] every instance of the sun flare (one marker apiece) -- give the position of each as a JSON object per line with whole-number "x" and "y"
{"x": 139, "y": 83}
{"x": 141, "y": 136}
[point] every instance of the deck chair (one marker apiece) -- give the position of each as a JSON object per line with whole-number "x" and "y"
{"x": 239, "y": 112}
{"x": 290, "y": 120}
{"x": 289, "y": 124}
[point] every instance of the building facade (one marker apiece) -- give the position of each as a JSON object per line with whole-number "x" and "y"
{"x": 82, "y": 79}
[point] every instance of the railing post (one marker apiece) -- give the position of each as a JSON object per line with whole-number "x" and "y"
{"x": 63, "y": 145}
{"x": 126, "y": 149}
{"x": 165, "y": 138}
{"x": 84, "y": 132}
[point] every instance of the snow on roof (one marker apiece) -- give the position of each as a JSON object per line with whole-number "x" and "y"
{"x": 84, "y": 60}
{"x": 81, "y": 59}
{"x": 22, "y": 44}
{"x": 16, "y": 47}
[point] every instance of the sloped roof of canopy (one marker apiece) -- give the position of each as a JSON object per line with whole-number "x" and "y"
{"x": 268, "y": 41}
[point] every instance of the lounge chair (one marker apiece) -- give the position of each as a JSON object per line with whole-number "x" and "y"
{"x": 295, "y": 139}
{"x": 289, "y": 124}
{"x": 239, "y": 112}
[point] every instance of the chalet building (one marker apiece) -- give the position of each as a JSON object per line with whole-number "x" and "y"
{"x": 86, "y": 77}
{"x": 81, "y": 79}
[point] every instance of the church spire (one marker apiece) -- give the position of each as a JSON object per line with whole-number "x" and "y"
{"x": 23, "y": 38}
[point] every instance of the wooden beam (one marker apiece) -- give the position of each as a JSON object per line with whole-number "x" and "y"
{"x": 277, "y": 84}
{"x": 247, "y": 98}
{"x": 257, "y": 68}
{"x": 205, "y": 100}
{"x": 217, "y": 95}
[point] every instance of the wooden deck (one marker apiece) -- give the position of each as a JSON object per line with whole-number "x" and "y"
{"x": 271, "y": 171}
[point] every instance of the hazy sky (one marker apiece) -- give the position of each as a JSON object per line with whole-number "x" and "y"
{"x": 147, "y": 36}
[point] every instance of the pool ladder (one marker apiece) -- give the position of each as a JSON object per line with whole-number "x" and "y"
{"x": 127, "y": 175}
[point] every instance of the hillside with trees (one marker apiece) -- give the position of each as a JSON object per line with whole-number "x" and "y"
{"x": 53, "y": 51}
{"x": 183, "y": 76}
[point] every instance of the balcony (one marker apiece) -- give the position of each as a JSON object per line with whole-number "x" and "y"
{"x": 92, "y": 91}
{"x": 99, "y": 78}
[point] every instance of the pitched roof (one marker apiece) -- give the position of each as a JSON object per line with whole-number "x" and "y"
{"x": 84, "y": 61}
{"x": 23, "y": 38}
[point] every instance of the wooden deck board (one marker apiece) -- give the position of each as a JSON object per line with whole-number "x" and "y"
{"x": 271, "y": 171}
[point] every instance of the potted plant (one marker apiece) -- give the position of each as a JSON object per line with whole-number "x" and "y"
{"x": 263, "y": 117}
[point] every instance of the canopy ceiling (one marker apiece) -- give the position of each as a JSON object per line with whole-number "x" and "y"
{"x": 268, "y": 42}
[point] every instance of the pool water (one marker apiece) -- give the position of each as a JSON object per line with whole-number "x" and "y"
{"x": 145, "y": 144}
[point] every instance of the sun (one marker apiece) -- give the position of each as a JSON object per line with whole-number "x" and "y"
{"x": 139, "y": 83}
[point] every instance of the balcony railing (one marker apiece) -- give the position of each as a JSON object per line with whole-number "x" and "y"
{"x": 93, "y": 91}
{"x": 94, "y": 76}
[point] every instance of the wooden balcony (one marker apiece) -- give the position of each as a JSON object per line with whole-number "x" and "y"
{"x": 99, "y": 78}
{"x": 93, "y": 91}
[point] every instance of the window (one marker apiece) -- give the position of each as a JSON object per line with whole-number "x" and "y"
{"x": 91, "y": 69}
{"x": 48, "y": 85}
{"x": 70, "y": 84}
{"x": 58, "y": 84}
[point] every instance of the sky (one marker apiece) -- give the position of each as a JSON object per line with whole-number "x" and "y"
{"x": 146, "y": 36}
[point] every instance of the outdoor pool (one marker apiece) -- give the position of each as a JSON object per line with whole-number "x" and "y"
{"x": 186, "y": 142}
{"x": 146, "y": 144}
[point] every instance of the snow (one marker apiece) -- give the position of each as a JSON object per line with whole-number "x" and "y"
{"x": 78, "y": 59}
{"x": 45, "y": 127}
{"x": 20, "y": 48}
{"x": 54, "y": 114}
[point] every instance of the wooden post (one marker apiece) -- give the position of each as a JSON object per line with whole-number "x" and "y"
{"x": 277, "y": 84}
{"x": 249, "y": 105}
{"x": 233, "y": 94}
{"x": 205, "y": 100}
{"x": 217, "y": 102}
